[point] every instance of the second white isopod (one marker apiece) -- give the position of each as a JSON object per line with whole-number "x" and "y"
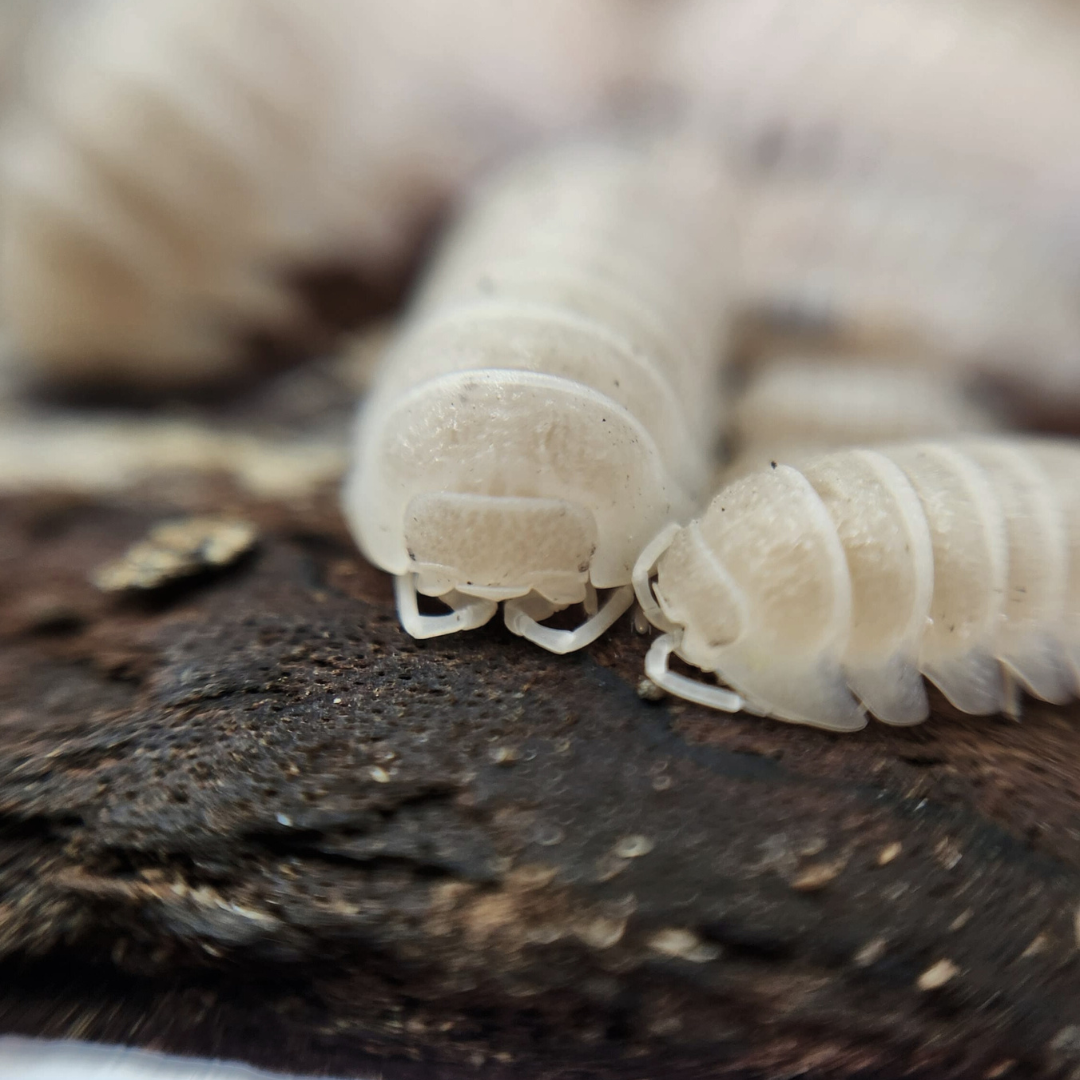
{"x": 818, "y": 592}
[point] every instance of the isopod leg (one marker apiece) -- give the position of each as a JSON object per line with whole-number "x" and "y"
{"x": 1012, "y": 695}
{"x": 590, "y": 603}
{"x": 519, "y": 621}
{"x": 534, "y": 607}
{"x": 468, "y": 612}
{"x": 657, "y": 669}
{"x": 643, "y": 571}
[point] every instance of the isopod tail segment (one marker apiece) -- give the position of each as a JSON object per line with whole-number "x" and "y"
{"x": 825, "y": 593}
{"x": 644, "y": 569}
{"x": 524, "y": 439}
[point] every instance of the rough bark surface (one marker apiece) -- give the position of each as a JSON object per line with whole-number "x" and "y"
{"x": 249, "y": 816}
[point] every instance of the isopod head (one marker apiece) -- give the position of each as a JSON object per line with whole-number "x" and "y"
{"x": 757, "y": 591}
{"x": 496, "y": 485}
{"x": 499, "y": 545}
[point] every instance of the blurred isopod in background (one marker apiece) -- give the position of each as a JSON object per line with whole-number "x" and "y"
{"x": 174, "y": 160}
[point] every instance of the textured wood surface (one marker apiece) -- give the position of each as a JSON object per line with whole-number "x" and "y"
{"x": 248, "y": 816}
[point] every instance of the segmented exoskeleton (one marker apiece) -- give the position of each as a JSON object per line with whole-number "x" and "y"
{"x": 553, "y": 399}
{"x": 818, "y": 592}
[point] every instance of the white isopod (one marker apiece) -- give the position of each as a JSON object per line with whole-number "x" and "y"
{"x": 553, "y": 400}
{"x": 812, "y": 590}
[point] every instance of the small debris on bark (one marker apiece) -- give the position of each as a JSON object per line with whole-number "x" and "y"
{"x": 647, "y": 690}
{"x": 174, "y": 550}
{"x": 889, "y": 852}
{"x": 937, "y": 975}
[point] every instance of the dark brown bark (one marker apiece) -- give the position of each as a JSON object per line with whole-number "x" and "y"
{"x": 249, "y": 816}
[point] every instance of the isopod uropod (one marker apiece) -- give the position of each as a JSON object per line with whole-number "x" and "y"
{"x": 553, "y": 399}
{"x": 812, "y": 590}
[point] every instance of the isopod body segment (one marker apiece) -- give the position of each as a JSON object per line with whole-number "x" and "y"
{"x": 820, "y": 592}
{"x": 553, "y": 399}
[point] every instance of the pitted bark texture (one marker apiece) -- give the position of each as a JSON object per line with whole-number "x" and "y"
{"x": 250, "y": 817}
